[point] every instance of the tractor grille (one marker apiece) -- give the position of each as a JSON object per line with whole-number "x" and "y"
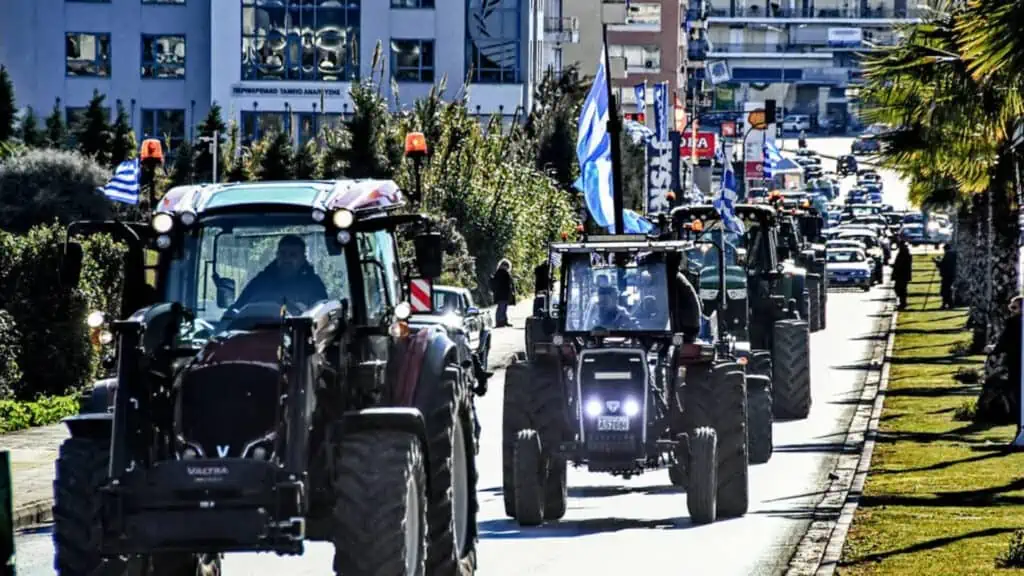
{"x": 617, "y": 443}
{"x": 226, "y": 406}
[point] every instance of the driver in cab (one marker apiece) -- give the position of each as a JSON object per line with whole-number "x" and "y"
{"x": 290, "y": 278}
{"x": 608, "y": 314}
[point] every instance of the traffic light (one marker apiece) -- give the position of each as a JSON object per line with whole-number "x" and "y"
{"x": 769, "y": 111}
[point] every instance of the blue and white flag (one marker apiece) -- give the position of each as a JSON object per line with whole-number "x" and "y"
{"x": 661, "y": 111}
{"x": 640, "y": 90}
{"x": 772, "y": 157}
{"x": 725, "y": 202}
{"x": 124, "y": 186}
{"x": 593, "y": 151}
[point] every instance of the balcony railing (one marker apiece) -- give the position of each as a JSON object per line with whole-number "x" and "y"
{"x": 853, "y": 13}
{"x": 564, "y": 30}
{"x": 753, "y": 48}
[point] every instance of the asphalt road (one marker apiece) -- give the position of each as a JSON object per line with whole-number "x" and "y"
{"x": 641, "y": 525}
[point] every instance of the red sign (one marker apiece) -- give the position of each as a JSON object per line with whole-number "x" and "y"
{"x": 754, "y": 170}
{"x": 728, "y": 129}
{"x": 636, "y": 117}
{"x": 706, "y": 145}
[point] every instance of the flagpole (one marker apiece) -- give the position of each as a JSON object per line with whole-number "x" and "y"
{"x": 614, "y": 130}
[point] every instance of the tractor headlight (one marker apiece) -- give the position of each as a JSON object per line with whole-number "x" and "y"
{"x": 593, "y": 407}
{"x": 95, "y": 319}
{"x": 737, "y": 293}
{"x": 631, "y": 407}
{"x": 188, "y": 218}
{"x": 162, "y": 223}
{"x": 343, "y": 219}
{"x": 106, "y": 337}
{"x": 708, "y": 293}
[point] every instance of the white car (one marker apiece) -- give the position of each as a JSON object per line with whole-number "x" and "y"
{"x": 848, "y": 267}
{"x": 874, "y": 250}
{"x": 796, "y": 123}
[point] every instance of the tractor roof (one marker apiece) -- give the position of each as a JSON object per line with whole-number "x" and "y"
{"x": 708, "y": 212}
{"x": 622, "y": 243}
{"x": 327, "y": 195}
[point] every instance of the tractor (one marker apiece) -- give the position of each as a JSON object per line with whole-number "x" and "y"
{"x": 628, "y": 378}
{"x": 268, "y": 390}
{"x": 801, "y": 227}
{"x": 775, "y": 293}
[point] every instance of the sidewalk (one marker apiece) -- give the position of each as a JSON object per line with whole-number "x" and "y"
{"x": 34, "y": 451}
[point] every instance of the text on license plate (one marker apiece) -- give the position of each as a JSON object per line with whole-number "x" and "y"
{"x": 613, "y": 423}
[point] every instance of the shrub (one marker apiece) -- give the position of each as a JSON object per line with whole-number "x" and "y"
{"x": 10, "y": 349}
{"x": 1013, "y": 557}
{"x": 41, "y": 186}
{"x": 42, "y": 412}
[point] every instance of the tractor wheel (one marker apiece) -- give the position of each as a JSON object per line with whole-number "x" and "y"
{"x": 81, "y": 470}
{"x": 823, "y": 310}
{"x": 791, "y": 363}
{"x": 381, "y": 488}
{"x": 814, "y": 302}
{"x": 530, "y": 476}
{"x": 759, "y": 418}
{"x": 556, "y": 490}
{"x": 534, "y": 400}
{"x": 701, "y": 492}
{"x": 182, "y": 564}
{"x": 528, "y": 340}
{"x": 451, "y": 466}
{"x": 716, "y": 397}
{"x": 760, "y": 363}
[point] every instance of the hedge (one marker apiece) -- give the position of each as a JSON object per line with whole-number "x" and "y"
{"x": 16, "y": 415}
{"x": 41, "y": 186}
{"x": 55, "y": 357}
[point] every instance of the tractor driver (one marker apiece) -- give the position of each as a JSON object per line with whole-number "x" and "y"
{"x": 608, "y": 314}
{"x": 289, "y": 278}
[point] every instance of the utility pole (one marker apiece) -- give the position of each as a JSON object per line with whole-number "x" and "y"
{"x": 214, "y": 143}
{"x": 614, "y": 13}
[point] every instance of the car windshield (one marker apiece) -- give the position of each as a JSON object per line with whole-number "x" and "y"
{"x": 845, "y": 256}
{"x": 868, "y": 240}
{"x": 616, "y": 291}
{"x": 447, "y": 302}
{"x": 238, "y": 271}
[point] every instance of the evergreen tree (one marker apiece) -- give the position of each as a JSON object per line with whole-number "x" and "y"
{"x": 92, "y": 132}
{"x": 184, "y": 161}
{"x": 276, "y": 161}
{"x": 122, "y": 144}
{"x": 29, "y": 132}
{"x": 330, "y": 163}
{"x": 213, "y": 123}
{"x": 240, "y": 169}
{"x": 8, "y": 109}
{"x": 304, "y": 161}
{"x": 56, "y": 130}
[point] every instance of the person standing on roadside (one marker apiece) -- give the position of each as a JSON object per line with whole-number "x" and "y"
{"x": 802, "y": 142}
{"x": 947, "y": 271}
{"x": 902, "y": 268}
{"x": 503, "y": 290}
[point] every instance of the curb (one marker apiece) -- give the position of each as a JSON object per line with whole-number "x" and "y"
{"x": 821, "y": 547}
{"x": 33, "y": 514}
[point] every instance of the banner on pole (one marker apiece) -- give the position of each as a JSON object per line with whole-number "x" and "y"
{"x": 661, "y": 178}
{"x": 661, "y": 106}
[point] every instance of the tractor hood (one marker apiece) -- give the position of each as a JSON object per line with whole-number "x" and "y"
{"x": 228, "y": 396}
{"x": 735, "y": 278}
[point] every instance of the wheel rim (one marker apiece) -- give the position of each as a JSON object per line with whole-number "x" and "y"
{"x": 413, "y": 529}
{"x": 460, "y": 488}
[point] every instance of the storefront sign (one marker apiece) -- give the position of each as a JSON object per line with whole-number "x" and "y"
{"x": 662, "y": 173}
{"x": 265, "y": 89}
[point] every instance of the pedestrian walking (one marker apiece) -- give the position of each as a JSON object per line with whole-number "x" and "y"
{"x": 947, "y": 271}
{"x": 504, "y": 292}
{"x": 802, "y": 142}
{"x": 902, "y": 270}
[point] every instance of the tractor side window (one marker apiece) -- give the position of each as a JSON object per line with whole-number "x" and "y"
{"x": 375, "y": 288}
{"x": 386, "y": 252}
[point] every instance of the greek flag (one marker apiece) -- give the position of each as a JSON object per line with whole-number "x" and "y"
{"x": 725, "y": 202}
{"x": 593, "y": 151}
{"x": 772, "y": 157}
{"x": 124, "y": 186}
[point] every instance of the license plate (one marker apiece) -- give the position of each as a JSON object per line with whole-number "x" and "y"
{"x": 613, "y": 423}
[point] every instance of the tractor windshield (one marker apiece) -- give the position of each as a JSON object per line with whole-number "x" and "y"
{"x": 702, "y": 260}
{"x": 240, "y": 271}
{"x": 617, "y": 292}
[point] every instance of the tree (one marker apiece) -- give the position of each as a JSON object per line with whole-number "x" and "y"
{"x": 304, "y": 161}
{"x": 551, "y": 124}
{"x": 29, "y": 131}
{"x": 213, "y": 123}
{"x": 41, "y": 186}
{"x": 181, "y": 170}
{"x": 8, "y": 108}
{"x": 92, "y": 131}
{"x": 373, "y": 149}
{"x": 56, "y": 129}
{"x": 275, "y": 164}
{"x": 122, "y": 142}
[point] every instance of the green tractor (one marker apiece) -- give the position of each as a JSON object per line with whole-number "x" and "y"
{"x": 764, "y": 299}
{"x": 802, "y": 243}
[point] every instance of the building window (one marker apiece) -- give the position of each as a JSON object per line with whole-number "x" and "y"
{"x": 87, "y": 54}
{"x": 163, "y": 56}
{"x": 168, "y": 126}
{"x": 641, "y": 17}
{"x": 412, "y": 60}
{"x": 639, "y": 59}
{"x": 494, "y": 41}
{"x": 297, "y": 40}
{"x": 412, "y": 3}
{"x": 257, "y": 125}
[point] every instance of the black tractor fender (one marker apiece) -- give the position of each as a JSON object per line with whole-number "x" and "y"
{"x": 95, "y": 411}
{"x": 397, "y": 418}
{"x": 439, "y": 354}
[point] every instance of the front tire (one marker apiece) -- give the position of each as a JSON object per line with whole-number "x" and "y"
{"x": 701, "y": 492}
{"x": 81, "y": 470}
{"x": 791, "y": 362}
{"x": 530, "y": 475}
{"x": 759, "y": 418}
{"x": 380, "y": 517}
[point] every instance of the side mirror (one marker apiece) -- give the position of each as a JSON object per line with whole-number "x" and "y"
{"x": 225, "y": 291}
{"x": 71, "y": 265}
{"x": 741, "y": 257}
{"x": 429, "y": 254}
{"x": 472, "y": 311}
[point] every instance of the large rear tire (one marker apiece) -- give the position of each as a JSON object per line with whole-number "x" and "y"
{"x": 380, "y": 518}
{"x": 702, "y": 470}
{"x": 716, "y": 397}
{"x": 759, "y": 418}
{"x": 81, "y": 470}
{"x": 791, "y": 363}
{"x": 814, "y": 289}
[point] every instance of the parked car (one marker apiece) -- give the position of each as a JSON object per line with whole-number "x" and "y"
{"x": 454, "y": 307}
{"x": 848, "y": 267}
{"x": 846, "y": 165}
{"x": 913, "y": 234}
{"x": 796, "y": 123}
{"x": 866, "y": 144}
{"x": 874, "y": 246}
{"x": 871, "y": 177}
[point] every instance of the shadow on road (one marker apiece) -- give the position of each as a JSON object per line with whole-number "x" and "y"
{"x": 943, "y": 465}
{"x": 508, "y": 529}
{"x": 933, "y": 391}
{"x": 926, "y": 545}
{"x": 824, "y": 447}
{"x": 608, "y": 491}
